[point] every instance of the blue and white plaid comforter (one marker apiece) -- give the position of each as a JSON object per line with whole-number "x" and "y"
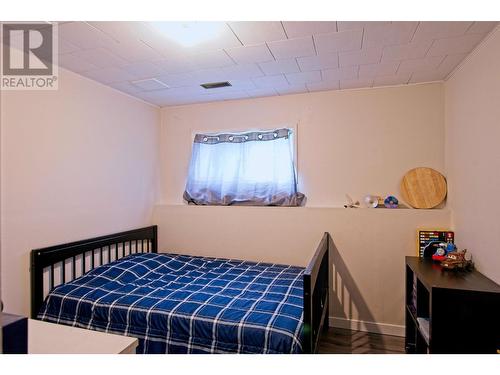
{"x": 184, "y": 304}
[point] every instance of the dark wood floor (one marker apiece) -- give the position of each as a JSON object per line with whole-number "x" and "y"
{"x": 344, "y": 341}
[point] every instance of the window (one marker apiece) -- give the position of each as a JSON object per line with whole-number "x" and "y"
{"x": 253, "y": 168}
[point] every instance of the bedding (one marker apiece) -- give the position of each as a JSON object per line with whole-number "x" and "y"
{"x": 186, "y": 304}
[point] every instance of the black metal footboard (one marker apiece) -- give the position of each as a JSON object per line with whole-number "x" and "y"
{"x": 316, "y": 296}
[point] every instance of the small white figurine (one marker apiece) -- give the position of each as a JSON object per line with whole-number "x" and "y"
{"x": 350, "y": 202}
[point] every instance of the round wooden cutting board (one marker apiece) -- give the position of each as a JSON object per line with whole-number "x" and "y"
{"x": 423, "y": 188}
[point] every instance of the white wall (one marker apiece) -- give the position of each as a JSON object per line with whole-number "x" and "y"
{"x": 473, "y": 154}
{"x": 78, "y": 162}
{"x": 357, "y": 142}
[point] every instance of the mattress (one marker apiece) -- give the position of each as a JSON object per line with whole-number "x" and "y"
{"x": 185, "y": 304}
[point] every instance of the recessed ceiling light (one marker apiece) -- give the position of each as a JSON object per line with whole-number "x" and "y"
{"x": 190, "y": 34}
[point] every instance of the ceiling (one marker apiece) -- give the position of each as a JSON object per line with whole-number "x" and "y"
{"x": 265, "y": 58}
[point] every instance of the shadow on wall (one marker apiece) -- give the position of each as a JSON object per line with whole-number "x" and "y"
{"x": 345, "y": 299}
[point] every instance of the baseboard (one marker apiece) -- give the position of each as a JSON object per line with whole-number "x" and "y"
{"x": 360, "y": 325}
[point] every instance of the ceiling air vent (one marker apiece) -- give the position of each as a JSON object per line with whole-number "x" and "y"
{"x": 215, "y": 85}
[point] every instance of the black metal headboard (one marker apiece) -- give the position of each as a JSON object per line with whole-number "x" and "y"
{"x": 72, "y": 260}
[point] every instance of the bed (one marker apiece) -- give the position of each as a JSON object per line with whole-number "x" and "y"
{"x": 176, "y": 303}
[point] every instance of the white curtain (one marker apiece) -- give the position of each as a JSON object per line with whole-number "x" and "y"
{"x": 253, "y": 168}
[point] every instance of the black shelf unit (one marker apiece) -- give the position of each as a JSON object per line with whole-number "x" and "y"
{"x": 450, "y": 312}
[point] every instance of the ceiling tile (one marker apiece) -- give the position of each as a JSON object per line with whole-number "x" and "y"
{"x": 65, "y": 47}
{"x": 74, "y": 63}
{"x": 109, "y": 75}
{"x": 158, "y": 40}
{"x": 160, "y": 43}
{"x": 254, "y": 32}
{"x": 391, "y": 80}
{"x": 241, "y": 84}
{"x": 126, "y": 87}
{"x": 292, "y": 89}
{"x": 363, "y": 56}
{"x": 418, "y": 65}
{"x": 350, "y": 72}
{"x": 319, "y": 62}
{"x": 384, "y": 35}
{"x": 187, "y": 91}
{"x": 208, "y": 75}
{"x": 270, "y": 81}
{"x": 382, "y": 69}
{"x": 177, "y": 64}
{"x": 455, "y": 45}
{"x": 250, "y": 54}
{"x": 100, "y": 57}
{"x": 355, "y": 83}
{"x": 243, "y": 71}
{"x": 413, "y": 50}
{"x": 227, "y": 95}
{"x": 295, "y": 29}
{"x": 450, "y": 62}
{"x": 291, "y": 48}
{"x": 177, "y": 94}
{"x": 121, "y": 31}
{"x": 350, "y": 25}
{"x": 225, "y": 39}
{"x": 427, "y": 76}
{"x": 212, "y": 59}
{"x": 135, "y": 51}
{"x": 323, "y": 86}
{"x": 149, "y": 84}
{"x": 430, "y": 30}
{"x": 83, "y": 35}
{"x": 179, "y": 79}
{"x": 277, "y": 58}
{"x": 441, "y": 72}
{"x": 280, "y": 67}
{"x": 482, "y": 27}
{"x": 340, "y": 41}
{"x": 144, "y": 69}
{"x": 303, "y": 77}
{"x": 260, "y": 92}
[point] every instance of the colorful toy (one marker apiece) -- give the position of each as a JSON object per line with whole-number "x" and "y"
{"x": 443, "y": 250}
{"x": 455, "y": 260}
{"x": 391, "y": 202}
{"x": 428, "y": 240}
{"x": 440, "y": 253}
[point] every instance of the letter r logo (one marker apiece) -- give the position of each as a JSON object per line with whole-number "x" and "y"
{"x": 27, "y": 49}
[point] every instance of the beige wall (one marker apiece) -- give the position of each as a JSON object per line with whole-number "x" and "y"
{"x": 368, "y": 262}
{"x": 357, "y": 142}
{"x": 78, "y": 162}
{"x": 473, "y": 154}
